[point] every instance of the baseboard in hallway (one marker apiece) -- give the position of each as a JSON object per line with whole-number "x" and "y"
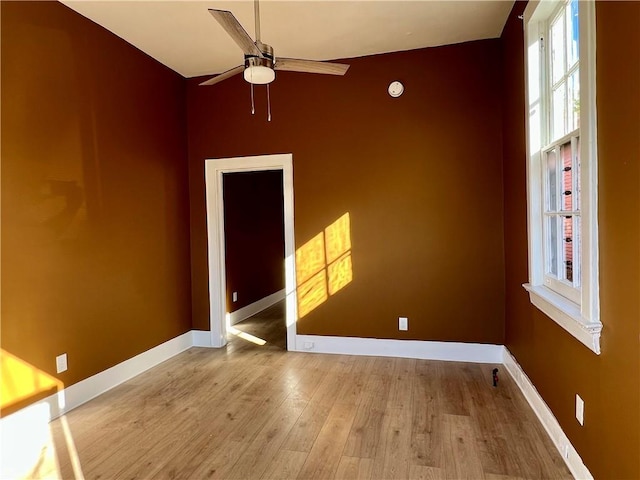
{"x": 255, "y": 307}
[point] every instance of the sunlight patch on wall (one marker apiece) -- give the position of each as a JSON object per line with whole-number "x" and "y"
{"x": 310, "y": 258}
{"x": 340, "y": 274}
{"x": 338, "y": 238}
{"x": 312, "y": 293}
{"x": 21, "y": 381}
{"x": 323, "y": 265}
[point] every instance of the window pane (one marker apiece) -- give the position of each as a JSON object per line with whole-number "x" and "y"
{"x": 557, "y": 49}
{"x": 567, "y": 250}
{"x": 558, "y": 107}
{"x": 567, "y": 176}
{"x": 574, "y": 100}
{"x": 572, "y": 33}
{"x": 552, "y": 245}
{"x": 552, "y": 182}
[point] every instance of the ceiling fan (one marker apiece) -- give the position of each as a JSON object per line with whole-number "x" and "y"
{"x": 259, "y": 61}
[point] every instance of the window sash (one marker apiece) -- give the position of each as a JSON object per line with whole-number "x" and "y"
{"x": 555, "y": 216}
{"x": 557, "y": 86}
{"x": 555, "y": 78}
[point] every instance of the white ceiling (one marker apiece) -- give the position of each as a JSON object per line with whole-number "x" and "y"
{"x": 182, "y": 34}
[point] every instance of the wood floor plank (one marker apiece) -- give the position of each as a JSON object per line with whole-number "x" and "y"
{"x": 426, "y": 425}
{"x": 327, "y": 392}
{"x": 384, "y": 365}
{"x": 400, "y": 390}
{"x": 392, "y": 455}
{"x": 215, "y": 463}
{"x": 158, "y": 457}
{"x": 285, "y": 465}
{"x": 176, "y": 447}
{"x": 452, "y": 393}
{"x": 363, "y": 365}
{"x": 247, "y": 427}
{"x": 365, "y": 433}
{"x": 127, "y": 444}
{"x": 462, "y": 460}
{"x": 306, "y": 429}
{"x": 492, "y": 476}
{"x": 532, "y": 456}
{"x": 404, "y": 366}
{"x": 351, "y": 389}
{"x": 256, "y": 458}
{"x": 421, "y": 472}
{"x": 343, "y": 364}
{"x": 352, "y": 468}
{"x": 324, "y": 457}
{"x": 307, "y": 383}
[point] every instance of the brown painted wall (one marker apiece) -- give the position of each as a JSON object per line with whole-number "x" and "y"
{"x": 559, "y": 365}
{"x": 254, "y": 236}
{"x": 420, "y": 176}
{"x": 95, "y": 226}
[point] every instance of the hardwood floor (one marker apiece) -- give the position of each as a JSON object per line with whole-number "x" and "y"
{"x": 250, "y": 411}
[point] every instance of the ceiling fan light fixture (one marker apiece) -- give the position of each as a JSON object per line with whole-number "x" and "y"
{"x": 259, "y": 75}
{"x": 259, "y": 71}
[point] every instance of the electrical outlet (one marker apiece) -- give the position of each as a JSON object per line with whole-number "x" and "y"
{"x": 403, "y": 323}
{"x": 308, "y": 345}
{"x": 61, "y": 363}
{"x": 579, "y": 409}
{"x": 235, "y": 296}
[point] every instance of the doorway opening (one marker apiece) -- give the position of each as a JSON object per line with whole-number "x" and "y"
{"x": 254, "y": 257}
{"x": 215, "y": 169}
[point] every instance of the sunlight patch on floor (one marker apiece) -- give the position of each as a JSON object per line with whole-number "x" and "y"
{"x": 27, "y": 445}
{"x": 246, "y": 336}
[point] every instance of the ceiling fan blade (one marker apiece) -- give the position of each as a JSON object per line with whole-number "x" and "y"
{"x": 223, "y": 76}
{"x": 239, "y": 35}
{"x": 310, "y": 66}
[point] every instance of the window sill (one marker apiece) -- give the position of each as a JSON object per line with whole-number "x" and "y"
{"x": 566, "y": 314}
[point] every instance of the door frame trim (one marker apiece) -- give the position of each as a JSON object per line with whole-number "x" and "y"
{"x": 214, "y": 169}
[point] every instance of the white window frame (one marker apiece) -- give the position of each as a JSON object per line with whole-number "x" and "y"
{"x": 580, "y": 318}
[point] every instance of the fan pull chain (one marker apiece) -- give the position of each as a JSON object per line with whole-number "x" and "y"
{"x": 268, "y": 105}
{"x": 253, "y": 108}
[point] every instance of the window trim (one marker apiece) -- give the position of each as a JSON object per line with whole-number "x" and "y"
{"x": 582, "y": 320}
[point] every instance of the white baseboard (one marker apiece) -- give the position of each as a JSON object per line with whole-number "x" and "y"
{"x": 448, "y": 351}
{"x": 255, "y": 307}
{"x": 546, "y": 417}
{"x": 201, "y": 338}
